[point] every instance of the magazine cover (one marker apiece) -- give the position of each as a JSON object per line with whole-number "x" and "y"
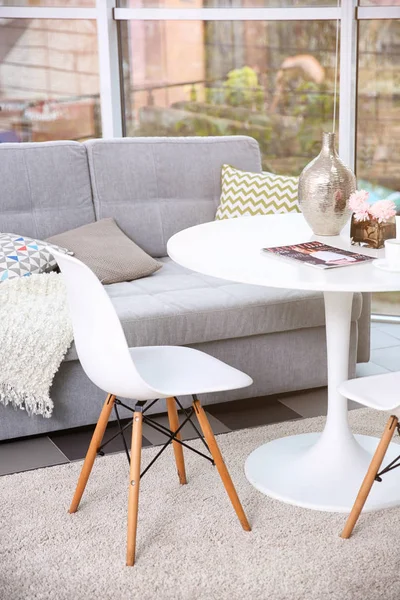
{"x": 319, "y": 255}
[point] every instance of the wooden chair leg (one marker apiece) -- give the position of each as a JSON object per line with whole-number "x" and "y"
{"x": 97, "y": 437}
{"x": 219, "y": 463}
{"x": 178, "y": 448}
{"x": 370, "y": 476}
{"x": 134, "y": 484}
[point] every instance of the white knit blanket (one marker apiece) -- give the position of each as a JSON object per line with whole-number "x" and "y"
{"x": 35, "y": 334}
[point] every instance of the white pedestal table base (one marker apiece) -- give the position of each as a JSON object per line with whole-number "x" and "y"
{"x": 325, "y": 471}
{"x": 293, "y": 469}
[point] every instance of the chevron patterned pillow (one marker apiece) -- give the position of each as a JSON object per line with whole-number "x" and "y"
{"x": 247, "y": 194}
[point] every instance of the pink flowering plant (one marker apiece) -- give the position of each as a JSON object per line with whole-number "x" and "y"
{"x": 380, "y": 211}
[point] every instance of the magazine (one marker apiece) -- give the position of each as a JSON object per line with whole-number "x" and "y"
{"x": 319, "y": 255}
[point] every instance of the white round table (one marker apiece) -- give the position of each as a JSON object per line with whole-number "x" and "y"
{"x": 322, "y": 471}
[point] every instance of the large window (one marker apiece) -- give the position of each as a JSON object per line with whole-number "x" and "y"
{"x": 49, "y": 84}
{"x": 272, "y": 81}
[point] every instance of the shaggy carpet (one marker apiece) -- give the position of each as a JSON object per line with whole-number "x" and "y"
{"x": 190, "y": 544}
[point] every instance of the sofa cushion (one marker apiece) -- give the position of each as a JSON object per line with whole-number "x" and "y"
{"x": 246, "y": 194}
{"x": 155, "y": 187}
{"x": 21, "y": 256}
{"x": 178, "y": 306}
{"x": 45, "y": 188}
{"x": 108, "y": 252}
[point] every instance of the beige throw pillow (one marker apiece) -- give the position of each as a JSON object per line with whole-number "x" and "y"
{"x": 111, "y": 255}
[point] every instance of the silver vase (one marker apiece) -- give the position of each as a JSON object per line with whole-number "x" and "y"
{"x": 325, "y": 185}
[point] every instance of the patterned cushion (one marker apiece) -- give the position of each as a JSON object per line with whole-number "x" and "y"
{"x": 21, "y": 256}
{"x": 247, "y": 194}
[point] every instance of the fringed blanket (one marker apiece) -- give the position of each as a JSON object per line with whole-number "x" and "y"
{"x": 35, "y": 334}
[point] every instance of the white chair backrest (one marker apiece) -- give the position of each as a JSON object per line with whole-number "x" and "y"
{"x": 99, "y": 338}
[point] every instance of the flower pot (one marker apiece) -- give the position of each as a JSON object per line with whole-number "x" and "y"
{"x": 371, "y": 233}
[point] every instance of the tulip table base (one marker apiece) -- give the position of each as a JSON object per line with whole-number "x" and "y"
{"x": 296, "y": 470}
{"x": 324, "y": 471}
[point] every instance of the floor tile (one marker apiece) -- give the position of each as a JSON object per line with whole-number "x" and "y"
{"x": 74, "y": 443}
{"x": 389, "y": 358}
{"x": 309, "y": 403}
{"x": 382, "y": 339}
{"x": 354, "y": 405}
{"x": 392, "y": 329}
{"x": 370, "y": 368}
{"x": 24, "y": 455}
{"x": 312, "y": 403}
{"x": 187, "y": 432}
{"x": 251, "y": 412}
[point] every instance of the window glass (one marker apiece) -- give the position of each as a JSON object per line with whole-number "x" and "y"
{"x": 378, "y": 122}
{"x": 49, "y": 84}
{"x": 272, "y": 81}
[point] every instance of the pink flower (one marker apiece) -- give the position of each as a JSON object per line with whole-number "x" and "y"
{"x": 383, "y": 210}
{"x": 358, "y": 203}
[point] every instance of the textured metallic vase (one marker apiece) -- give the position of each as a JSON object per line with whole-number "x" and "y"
{"x": 325, "y": 185}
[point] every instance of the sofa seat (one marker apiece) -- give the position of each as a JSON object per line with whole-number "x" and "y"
{"x": 176, "y": 306}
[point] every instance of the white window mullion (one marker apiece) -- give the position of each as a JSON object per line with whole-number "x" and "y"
{"x": 348, "y": 82}
{"x": 378, "y": 12}
{"x": 38, "y": 12}
{"x": 227, "y": 14}
{"x": 109, "y": 70}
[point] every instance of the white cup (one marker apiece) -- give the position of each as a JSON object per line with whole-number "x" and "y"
{"x": 392, "y": 253}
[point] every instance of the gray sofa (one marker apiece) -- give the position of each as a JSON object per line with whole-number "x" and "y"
{"x": 154, "y": 187}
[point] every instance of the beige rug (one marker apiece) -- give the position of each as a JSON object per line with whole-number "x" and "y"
{"x": 190, "y": 545}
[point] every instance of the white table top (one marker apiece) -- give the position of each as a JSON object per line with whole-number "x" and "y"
{"x": 231, "y": 249}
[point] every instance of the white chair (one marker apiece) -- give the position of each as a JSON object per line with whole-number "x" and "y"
{"x": 382, "y": 393}
{"x": 143, "y": 374}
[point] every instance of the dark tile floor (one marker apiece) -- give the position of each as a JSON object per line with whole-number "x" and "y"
{"x": 66, "y": 446}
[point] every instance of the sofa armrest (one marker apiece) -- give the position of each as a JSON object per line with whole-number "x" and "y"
{"x": 364, "y": 330}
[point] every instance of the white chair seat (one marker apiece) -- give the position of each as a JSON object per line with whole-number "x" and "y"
{"x": 180, "y": 371}
{"x": 381, "y": 392}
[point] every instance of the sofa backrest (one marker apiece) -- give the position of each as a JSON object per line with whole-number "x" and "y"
{"x": 44, "y": 188}
{"x": 155, "y": 187}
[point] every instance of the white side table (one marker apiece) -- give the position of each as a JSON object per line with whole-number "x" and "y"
{"x": 319, "y": 471}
